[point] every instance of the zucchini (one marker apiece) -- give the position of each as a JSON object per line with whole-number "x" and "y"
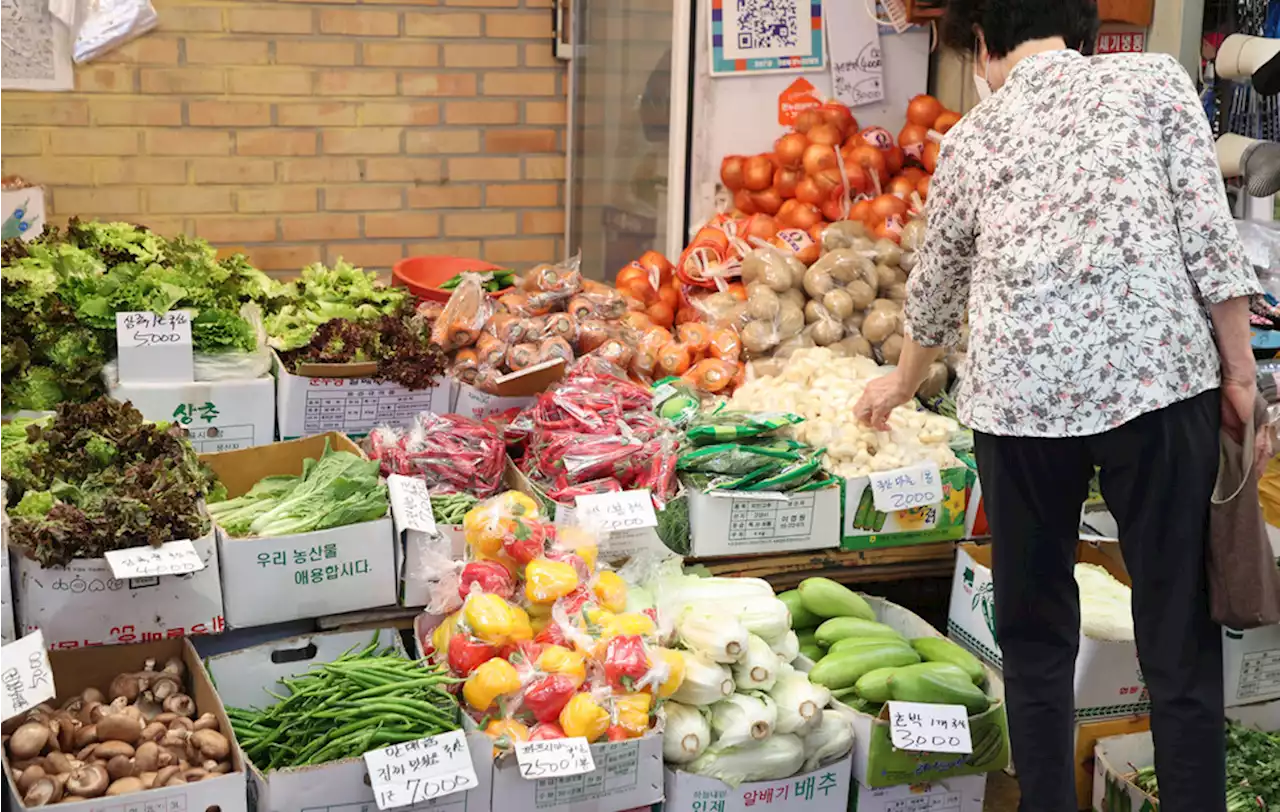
{"x": 839, "y": 628}
{"x": 813, "y": 651}
{"x": 873, "y": 686}
{"x": 864, "y": 507}
{"x": 825, "y": 598}
{"x": 844, "y": 669}
{"x": 942, "y": 650}
{"x": 801, "y": 618}
{"x": 939, "y": 684}
{"x": 807, "y": 638}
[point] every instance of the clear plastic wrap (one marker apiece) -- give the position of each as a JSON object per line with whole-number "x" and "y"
{"x": 109, "y": 24}
{"x": 451, "y": 453}
{"x": 465, "y": 316}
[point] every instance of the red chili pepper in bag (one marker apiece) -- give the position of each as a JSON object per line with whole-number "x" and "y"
{"x": 625, "y": 662}
{"x": 489, "y": 576}
{"x": 466, "y": 653}
{"x": 546, "y": 697}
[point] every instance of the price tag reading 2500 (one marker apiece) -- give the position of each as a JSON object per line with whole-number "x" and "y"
{"x": 554, "y": 758}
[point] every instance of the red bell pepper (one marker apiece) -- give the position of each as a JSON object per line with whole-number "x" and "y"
{"x": 625, "y": 662}
{"x": 527, "y": 542}
{"x": 488, "y": 576}
{"x": 546, "y": 697}
{"x": 467, "y": 653}
{"x": 545, "y": 731}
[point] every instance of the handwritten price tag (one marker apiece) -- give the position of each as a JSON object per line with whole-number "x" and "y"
{"x": 154, "y": 347}
{"x": 614, "y": 512}
{"x": 171, "y": 558}
{"x": 929, "y": 728}
{"x": 417, "y": 771}
{"x": 411, "y": 504}
{"x": 26, "y": 675}
{"x": 907, "y": 488}
{"x": 555, "y": 757}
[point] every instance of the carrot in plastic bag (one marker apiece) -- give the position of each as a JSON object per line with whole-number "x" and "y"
{"x": 725, "y": 344}
{"x": 711, "y": 374}
{"x": 468, "y": 310}
{"x": 522, "y": 356}
{"x": 465, "y": 365}
{"x": 673, "y": 359}
{"x": 553, "y": 348}
{"x": 694, "y": 335}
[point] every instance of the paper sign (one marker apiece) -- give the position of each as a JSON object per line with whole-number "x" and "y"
{"x": 612, "y": 512}
{"x": 171, "y": 558}
{"x": 154, "y": 347}
{"x": 929, "y": 728}
{"x": 417, "y": 771}
{"x": 663, "y": 393}
{"x": 411, "y": 504}
{"x": 853, "y": 39}
{"x": 26, "y": 675}
{"x": 478, "y": 405}
{"x": 554, "y": 757}
{"x": 907, "y": 488}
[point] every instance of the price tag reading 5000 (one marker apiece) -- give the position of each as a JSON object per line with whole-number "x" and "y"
{"x": 554, "y": 757}
{"x": 154, "y": 347}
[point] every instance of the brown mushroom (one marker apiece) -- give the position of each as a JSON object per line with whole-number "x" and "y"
{"x": 180, "y": 704}
{"x": 221, "y": 768}
{"x": 89, "y": 781}
{"x": 207, "y": 721}
{"x": 28, "y": 740}
{"x": 147, "y": 756}
{"x": 166, "y": 685}
{"x": 86, "y": 735}
{"x": 135, "y": 712}
{"x": 119, "y": 727}
{"x": 163, "y": 776}
{"x": 125, "y": 686}
{"x": 121, "y": 767}
{"x": 27, "y": 763}
{"x": 153, "y": 732}
{"x": 86, "y": 752}
{"x": 193, "y": 775}
{"x": 148, "y": 779}
{"x": 71, "y": 799}
{"x": 165, "y": 718}
{"x": 73, "y": 705}
{"x": 97, "y": 712}
{"x": 148, "y": 706}
{"x": 211, "y": 744}
{"x": 46, "y": 790}
{"x": 182, "y": 723}
{"x": 57, "y": 763}
{"x": 110, "y": 749}
{"x": 92, "y": 694}
{"x": 67, "y": 725}
{"x": 124, "y": 785}
{"x": 29, "y": 777}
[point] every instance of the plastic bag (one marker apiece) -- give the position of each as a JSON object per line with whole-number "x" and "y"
{"x": 451, "y": 453}
{"x": 221, "y": 366}
{"x": 464, "y": 317}
{"x": 109, "y": 24}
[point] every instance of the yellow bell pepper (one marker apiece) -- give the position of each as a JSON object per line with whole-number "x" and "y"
{"x": 632, "y": 712}
{"x": 492, "y": 619}
{"x": 505, "y": 733}
{"x": 560, "y": 660}
{"x": 521, "y": 627}
{"x": 515, "y": 503}
{"x": 611, "y": 591}
{"x": 628, "y": 623}
{"x": 441, "y": 635}
{"x": 490, "y": 680}
{"x": 485, "y": 527}
{"x": 547, "y": 581}
{"x": 580, "y": 542}
{"x": 583, "y": 716}
{"x": 675, "y": 673}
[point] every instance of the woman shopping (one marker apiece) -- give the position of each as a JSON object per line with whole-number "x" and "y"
{"x": 1078, "y": 218}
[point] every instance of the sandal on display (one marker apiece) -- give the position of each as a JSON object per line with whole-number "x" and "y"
{"x": 1257, "y": 59}
{"x": 1256, "y": 162}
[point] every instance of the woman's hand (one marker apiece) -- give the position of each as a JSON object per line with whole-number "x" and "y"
{"x": 882, "y": 396}
{"x": 1238, "y": 398}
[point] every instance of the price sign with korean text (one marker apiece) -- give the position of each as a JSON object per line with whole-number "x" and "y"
{"x": 154, "y": 347}
{"x": 26, "y": 675}
{"x": 929, "y": 728}
{"x": 411, "y": 504}
{"x": 554, "y": 757}
{"x": 615, "y": 512}
{"x": 417, "y": 771}
{"x": 907, "y": 488}
{"x": 171, "y": 558}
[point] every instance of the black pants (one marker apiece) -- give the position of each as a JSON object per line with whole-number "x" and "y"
{"x": 1157, "y": 473}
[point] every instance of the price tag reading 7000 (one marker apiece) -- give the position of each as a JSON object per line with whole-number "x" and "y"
{"x": 417, "y": 771}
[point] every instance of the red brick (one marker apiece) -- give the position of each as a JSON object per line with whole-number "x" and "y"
{"x": 320, "y": 227}
{"x": 105, "y": 79}
{"x": 371, "y": 256}
{"x": 226, "y": 52}
{"x": 540, "y": 55}
{"x": 403, "y": 169}
{"x": 444, "y": 196}
{"x": 188, "y": 142}
{"x": 188, "y": 199}
{"x": 482, "y": 56}
{"x": 521, "y": 141}
{"x": 361, "y": 141}
{"x": 273, "y": 81}
{"x": 519, "y": 250}
{"x": 190, "y": 18}
{"x": 323, "y": 114}
{"x": 542, "y": 222}
{"x": 359, "y": 23}
{"x": 106, "y": 202}
{"x": 276, "y": 199}
{"x": 544, "y": 168}
{"x": 320, "y": 170}
{"x": 401, "y": 54}
{"x": 448, "y": 248}
{"x": 401, "y": 224}
{"x": 134, "y": 113}
{"x": 224, "y": 230}
{"x": 233, "y": 170}
{"x": 518, "y": 26}
{"x": 520, "y": 195}
{"x": 276, "y": 142}
{"x": 546, "y": 113}
{"x": 228, "y": 114}
{"x": 182, "y": 81}
{"x": 53, "y": 171}
{"x": 356, "y": 83}
{"x": 436, "y": 24}
{"x": 71, "y": 112}
{"x": 315, "y": 52}
{"x": 260, "y": 19}
{"x": 283, "y": 257}
{"x": 148, "y": 50}
{"x": 363, "y": 198}
{"x": 484, "y": 169}
{"x": 520, "y": 83}
{"x": 491, "y": 112}
{"x": 22, "y": 141}
{"x": 480, "y": 224}
{"x": 438, "y": 84}
{"x": 146, "y": 170}
{"x": 436, "y": 141}
{"x": 415, "y": 112}
{"x": 104, "y": 141}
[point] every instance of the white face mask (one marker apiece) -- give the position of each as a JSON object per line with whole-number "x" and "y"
{"x": 981, "y": 83}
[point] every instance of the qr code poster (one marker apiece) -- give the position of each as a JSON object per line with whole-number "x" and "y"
{"x": 766, "y": 36}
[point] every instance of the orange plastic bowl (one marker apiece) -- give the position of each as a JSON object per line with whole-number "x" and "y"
{"x": 424, "y": 275}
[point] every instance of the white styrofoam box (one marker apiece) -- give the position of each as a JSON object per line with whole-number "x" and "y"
{"x": 243, "y": 678}
{"x": 418, "y": 575}
{"x": 748, "y": 523}
{"x": 22, "y": 213}
{"x": 217, "y": 415}
{"x": 825, "y": 789}
{"x": 1251, "y": 665}
{"x": 1108, "y": 679}
{"x": 964, "y": 793}
{"x": 83, "y": 604}
{"x": 353, "y": 406}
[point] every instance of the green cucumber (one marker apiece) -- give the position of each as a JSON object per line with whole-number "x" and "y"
{"x": 839, "y": 628}
{"x": 938, "y": 684}
{"x": 801, "y": 618}
{"x": 825, "y": 598}
{"x": 807, "y": 638}
{"x": 812, "y": 650}
{"x": 861, "y": 643}
{"x": 864, "y": 507}
{"x": 873, "y": 686}
{"x": 942, "y": 650}
{"x": 844, "y": 669}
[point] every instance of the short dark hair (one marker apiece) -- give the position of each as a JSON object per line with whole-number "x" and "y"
{"x": 1006, "y": 24}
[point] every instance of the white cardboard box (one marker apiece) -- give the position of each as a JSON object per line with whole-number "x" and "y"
{"x": 749, "y": 523}
{"x": 825, "y": 789}
{"x": 471, "y": 402}
{"x": 6, "y": 584}
{"x": 1251, "y": 665}
{"x": 419, "y": 580}
{"x": 244, "y": 676}
{"x": 1108, "y": 679}
{"x": 963, "y": 793}
{"x": 303, "y": 575}
{"x": 22, "y": 213}
{"x": 353, "y": 406}
{"x": 83, "y": 604}
{"x": 218, "y": 415}
{"x": 74, "y": 671}
{"x": 628, "y": 775}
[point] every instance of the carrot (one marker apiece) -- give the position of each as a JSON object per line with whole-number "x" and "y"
{"x": 725, "y": 344}
{"x": 643, "y": 363}
{"x": 673, "y": 359}
{"x": 669, "y": 296}
{"x": 466, "y": 365}
{"x": 660, "y": 313}
{"x": 638, "y": 320}
{"x": 580, "y": 307}
{"x": 616, "y": 351}
{"x": 521, "y": 356}
{"x": 695, "y": 335}
{"x": 711, "y": 375}
{"x": 554, "y": 348}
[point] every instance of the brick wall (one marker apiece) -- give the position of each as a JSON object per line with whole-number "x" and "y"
{"x": 303, "y": 131}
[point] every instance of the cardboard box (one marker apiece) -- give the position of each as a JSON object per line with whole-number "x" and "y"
{"x": 941, "y": 522}
{"x": 303, "y": 575}
{"x": 83, "y": 604}
{"x": 1087, "y": 736}
{"x": 244, "y": 676}
{"x": 1251, "y": 665}
{"x": 419, "y": 578}
{"x": 74, "y": 671}
{"x": 6, "y": 584}
{"x": 755, "y": 522}
{"x": 471, "y": 402}
{"x": 308, "y": 405}
{"x": 975, "y": 512}
{"x": 1108, "y": 680}
{"x": 628, "y": 775}
{"x": 965, "y": 793}
{"x": 825, "y": 789}
{"x": 22, "y": 211}
{"x": 878, "y": 764}
{"x": 218, "y": 415}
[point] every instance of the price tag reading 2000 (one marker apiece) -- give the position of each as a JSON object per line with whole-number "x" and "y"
{"x": 907, "y": 488}
{"x": 616, "y": 512}
{"x": 554, "y": 758}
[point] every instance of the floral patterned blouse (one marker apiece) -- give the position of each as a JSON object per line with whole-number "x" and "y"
{"x": 1078, "y": 216}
